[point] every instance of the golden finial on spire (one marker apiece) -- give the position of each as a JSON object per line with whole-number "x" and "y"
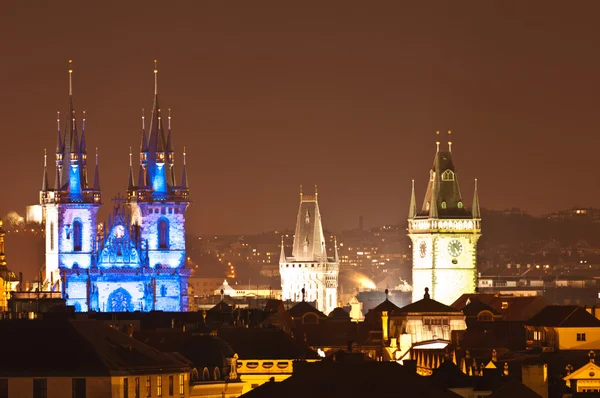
{"x": 449, "y": 140}
{"x": 300, "y": 191}
{"x": 143, "y": 120}
{"x": 58, "y": 119}
{"x": 437, "y": 142}
{"x": 316, "y": 191}
{"x": 70, "y": 73}
{"x": 130, "y": 158}
{"x": 96, "y": 156}
{"x": 45, "y": 158}
{"x": 169, "y": 118}
{"x": 184, "y": 156}
{"x": 155, "y": 77}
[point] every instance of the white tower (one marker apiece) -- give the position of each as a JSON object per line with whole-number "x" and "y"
{"x": 444, "y": 235}
{"x": 309, "y": 268}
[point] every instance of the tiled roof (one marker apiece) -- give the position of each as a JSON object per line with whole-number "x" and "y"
{"x": 351, "y": 379}
{"x": 77, "y": 348}
{"x": 426, "y": 304}
{"x": 564, "y": 316}
{"x": 200, "y": 349}
{"x": 302, "y": 308}
{"x": 513, "y": 388}
{"x": 264, "y": 343}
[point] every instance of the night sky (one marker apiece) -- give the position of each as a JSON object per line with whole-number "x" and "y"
{"x": 346, "y": 95}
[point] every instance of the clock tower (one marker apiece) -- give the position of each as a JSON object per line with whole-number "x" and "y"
{"x": 444, "y": 234}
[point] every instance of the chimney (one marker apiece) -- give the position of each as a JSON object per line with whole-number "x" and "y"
{"x": 410, "y": 365}
{"x": 384, "y": 325}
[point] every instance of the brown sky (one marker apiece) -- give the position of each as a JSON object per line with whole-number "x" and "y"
{"x": 348, "y": 95}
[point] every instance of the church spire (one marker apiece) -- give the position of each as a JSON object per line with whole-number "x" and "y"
{"x": 336, "y": 257}
{"x": 144, "y": 143}
{"x": 59, "y": 148}
{"x": 45, "y": 177}
{"x": 184, "y": 181}
{"x": 412, "y": 208}
{"x": 282, "y": 253}
{"x": 476, "y": 212}
{"x": 130, "y": 186}
{"x": 97, "y": 175}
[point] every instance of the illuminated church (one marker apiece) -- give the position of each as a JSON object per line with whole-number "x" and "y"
{"x": 135, "y": 261}
{"x": 309, "y": 274}
{"x": 444, "y": 234}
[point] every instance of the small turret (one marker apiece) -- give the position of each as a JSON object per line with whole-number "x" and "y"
{"x": 130, "y": 185}
{"x": 97, "y": 175}
{"x": 282, "y": 253}
{"x": 412, "y": 208}
{"x": 45, "y": 177}
{"x": 476, "y": 211}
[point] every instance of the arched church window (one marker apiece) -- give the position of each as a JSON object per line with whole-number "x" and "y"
{"x": 77, "y": 235}
{"x": 443, "y": 205}
{"x": 52, "y": 236}
{"x": 448, "y": 175}
{"x": 163, "y": 234}
{"x": 205, "y": 374}
{"x": 217, "y": 373}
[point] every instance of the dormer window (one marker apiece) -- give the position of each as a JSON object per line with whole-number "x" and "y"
{"x": 444, "y": 205}
{"x": 460, "y": 205}
{"x": 448, "y": 175}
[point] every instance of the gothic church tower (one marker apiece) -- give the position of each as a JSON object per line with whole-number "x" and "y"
{"x": 70, "y": 206}
{"x": 309, "y": 274}
{"x": 444, "y": 235}
{"x": 157, "y": 205}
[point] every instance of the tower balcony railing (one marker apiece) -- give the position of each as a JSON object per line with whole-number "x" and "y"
{"x": 453, "y": 225}
{"x": 56, "y": 197}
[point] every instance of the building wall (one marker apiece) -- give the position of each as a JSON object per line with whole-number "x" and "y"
{"x": 567, "y": 338}
{"x": 67, "y": 214}
{"x": 51, "y": 240}
{"x": 59, "y": 387}
{"x": 314, "y": 277}
{"x": 434, "y": 267}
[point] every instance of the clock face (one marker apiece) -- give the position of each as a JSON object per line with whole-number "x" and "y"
{"x": 119, "y": 231}
{"x": 455, "y": 248}
{"x": 423, "y": 248}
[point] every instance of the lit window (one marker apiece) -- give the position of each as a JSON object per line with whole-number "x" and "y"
{"x": 504, "y": 305}
{"x": 443, "y": 205}
{"x": 448, "y": 175}
{"x": 78, "y": 386}
{"x": 159, "y": 386}
{"x": 3, "y": 388}
{"x": 148, "y": 386}
{"x": 163, "y": 234}
{"x": 181, "y": 384}
{"x": 40, "y": 388}
{"x": 460, "y": 205}
{"x": 137, "y": 387}
{"x": 77, "y": 235}
{"x": 52, "y": 236}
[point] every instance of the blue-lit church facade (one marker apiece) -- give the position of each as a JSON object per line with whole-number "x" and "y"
{"x": 136, "y": 260}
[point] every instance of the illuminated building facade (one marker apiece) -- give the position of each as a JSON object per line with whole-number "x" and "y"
{"x": 309, "y": 274}
{"x": 444, "y": 235}
{"x": 137, "y": 262}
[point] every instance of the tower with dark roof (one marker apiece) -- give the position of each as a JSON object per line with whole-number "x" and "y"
{"x": 157, "y": 205}
{"x": 70, "y": 208}
{"x": 309, "y": 274}
{"x": 444, "y": 234}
